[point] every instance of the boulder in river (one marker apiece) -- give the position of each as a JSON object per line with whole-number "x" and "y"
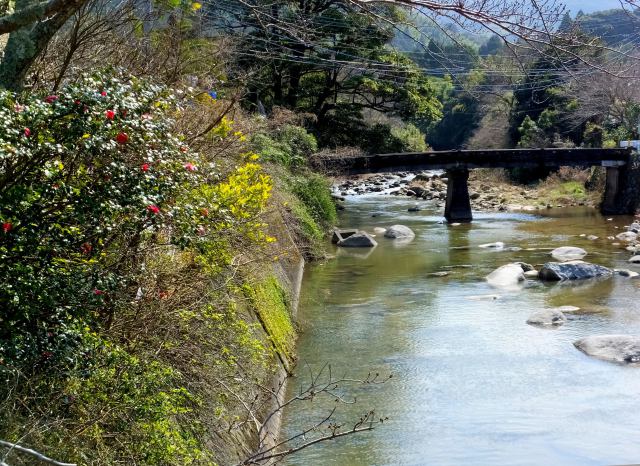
{"x": 379, "y": 230}
{"x": 547, "y": 317}
{"x": 358, "y": 240}
{"x": 573, "y": 270}
{"x": 627, "y": 273}
{"x": 399, "y": 232}
{"x": 623, "y": 349}
{"x": 635, "y": 260}
{"x": 505, "y": 276}
{"x": 568, "y": 253}
{"x": 627, "y": 236}
{"x": 531, "y": 274}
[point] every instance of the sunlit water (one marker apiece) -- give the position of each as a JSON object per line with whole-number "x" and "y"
{"x": 472, "y": 383}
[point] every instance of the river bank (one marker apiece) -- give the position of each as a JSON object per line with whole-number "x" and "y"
{"x": 489, "y": 190}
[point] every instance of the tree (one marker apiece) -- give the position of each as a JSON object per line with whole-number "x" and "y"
{"x": 31, "y": 25}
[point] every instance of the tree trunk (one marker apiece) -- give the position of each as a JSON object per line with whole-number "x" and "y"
{"x": 25, "y": 44}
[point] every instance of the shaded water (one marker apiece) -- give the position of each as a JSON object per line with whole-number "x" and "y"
{"x": 472, "y": 382}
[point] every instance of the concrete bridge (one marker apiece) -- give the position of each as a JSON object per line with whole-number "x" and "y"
{"x": 458, "y": 163}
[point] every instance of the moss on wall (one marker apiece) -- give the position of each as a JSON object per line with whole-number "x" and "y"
{"x": 271, "y": 304}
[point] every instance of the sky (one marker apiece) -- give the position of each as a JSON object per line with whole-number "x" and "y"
{"x": 589, "y": 6}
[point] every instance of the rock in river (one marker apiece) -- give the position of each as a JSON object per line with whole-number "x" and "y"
{"x": 399, "y": 231}
{"x": 623, "y": 349}
{"x": 507, "y": 275}
{"x": 496, "y": 245}
{"x": 547, "y": 317}
{"x": 627, "y": 236}
{"x": 574, "y": 270}
{"x": 358, "y": 240}
{"x": 568, "y": 253}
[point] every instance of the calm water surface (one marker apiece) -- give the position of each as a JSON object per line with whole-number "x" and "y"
{"x": 472, "y": 382}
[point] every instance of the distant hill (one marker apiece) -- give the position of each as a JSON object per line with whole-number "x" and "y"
{"x": 616, "y": 27}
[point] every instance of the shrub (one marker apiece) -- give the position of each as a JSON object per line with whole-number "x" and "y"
{"x": 289, "y": 146}
{"x": 87, "y": 177}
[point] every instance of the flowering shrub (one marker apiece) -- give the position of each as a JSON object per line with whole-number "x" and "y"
{"x": 88, "y": 177}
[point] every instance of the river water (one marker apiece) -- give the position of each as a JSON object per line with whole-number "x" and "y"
{"x": 472, "y": 382}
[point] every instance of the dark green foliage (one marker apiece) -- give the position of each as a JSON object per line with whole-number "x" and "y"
{"x": 461, "y": 117}
{"x": 493, "y": 46}
{"x": 289, "y": 146}
{"x": 315, "y": 193}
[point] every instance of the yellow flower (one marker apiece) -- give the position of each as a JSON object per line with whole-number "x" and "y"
{"x": 195, "y": 6}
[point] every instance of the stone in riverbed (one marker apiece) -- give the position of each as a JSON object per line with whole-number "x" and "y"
{"x": 398, "y": 232}
{"x": 626, "y": 273}
{"x": 627, "y": 236}
{"x": 496, "y": 245}
{"x": 568, "y": 253}
{"x": 531, "y": 274}
{"x": 379, "y": 230}
{"x": 623, "y": 349}
{"x": 564, "y": 309}
{"x": 547, "y": 317}
{"x": 635, "y": 260}
{"x": 574, "y": 270}
{"x": 507, "y": 275}
{"x": 358, "y": 240}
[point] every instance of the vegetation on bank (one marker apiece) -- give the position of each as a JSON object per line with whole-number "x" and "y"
{"x": 130, "y": 320}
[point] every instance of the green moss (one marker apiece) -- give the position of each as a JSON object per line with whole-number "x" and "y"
{"x": 272, "y": 307}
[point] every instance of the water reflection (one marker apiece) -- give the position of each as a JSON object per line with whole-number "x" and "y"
{"x": 473, "y": 384}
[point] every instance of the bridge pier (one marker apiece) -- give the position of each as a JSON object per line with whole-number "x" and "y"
{"x": 613, "y": 202}
{"x": 458, "y": 205}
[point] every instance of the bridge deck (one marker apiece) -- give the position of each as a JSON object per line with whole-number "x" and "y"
{"x": 467, "y": 159}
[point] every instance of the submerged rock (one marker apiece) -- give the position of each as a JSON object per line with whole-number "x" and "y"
{"x": 379, "y": 230}
{"x": 547, "y": 317}
{"x": 635, "y": 260}
{"x": 399, "y": 231}
{"x": 507, "y": 275}
{"x": 568, "y": 253}
{"x": 496, "y": 245}
{"x": 623, "y": 349}
{"x": 358, "y": 240}
{"x": 574, "y": 270}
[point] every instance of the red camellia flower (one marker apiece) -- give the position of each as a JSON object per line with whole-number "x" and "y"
{"x": 145, "y": 167}
{"x": 184, "y": 149}
{"x": 110, "y": 114}
{"x": 86, "y": 248}
{"x": 77, "y": 102}
{"x": 191, "y": 167}
{"x": 154, "y": 209}
{"x": 122, "y": 138}
{"x": 27, "y": 132}
{"x": 98, "y": 292}
{"x": 7, "y": 226}
{"x": 51, "y": 99}
{"x": 103, "y": 93}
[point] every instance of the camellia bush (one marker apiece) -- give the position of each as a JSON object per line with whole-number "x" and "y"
{"x": 89, "y": 178}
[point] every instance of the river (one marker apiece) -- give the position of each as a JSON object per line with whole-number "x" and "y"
{"x": 472, "y": 382}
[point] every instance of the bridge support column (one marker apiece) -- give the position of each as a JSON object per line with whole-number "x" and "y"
{"x": 613, "y": 202}
{"x": 458, "y": 206}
